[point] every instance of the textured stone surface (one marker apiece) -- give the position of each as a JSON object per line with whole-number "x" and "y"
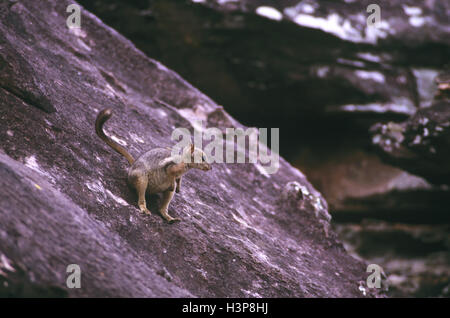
{"x": 64, "y": 198}
{"x": 358, "y": 184}
{"x": 421, "y": 144}
{"x": 414, "y": 257}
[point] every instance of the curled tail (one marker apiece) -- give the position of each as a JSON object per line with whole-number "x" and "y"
{"x": 102, "y": 117}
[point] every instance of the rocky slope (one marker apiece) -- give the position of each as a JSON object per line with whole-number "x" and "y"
{"x": 64, "y": 198}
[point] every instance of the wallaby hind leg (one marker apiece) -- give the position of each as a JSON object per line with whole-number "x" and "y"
{"x": 177, "y": 190}
{"x": 167, "y": 197}
{"x": 141, "y": 187}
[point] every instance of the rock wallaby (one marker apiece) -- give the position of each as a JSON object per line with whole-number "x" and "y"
{"x": 156, "y": 170}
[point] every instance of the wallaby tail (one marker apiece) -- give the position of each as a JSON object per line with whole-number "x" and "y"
{"x": 102, "y": 117}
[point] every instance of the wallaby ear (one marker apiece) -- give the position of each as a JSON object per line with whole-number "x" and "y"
{"x": 192, "y": 148}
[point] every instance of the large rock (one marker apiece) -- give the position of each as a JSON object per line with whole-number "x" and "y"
{"x": 64, "y": 198}
{"x": 421, "y": 144}
{"x": 358, "y": 184}
{"x": 414, "y": 257}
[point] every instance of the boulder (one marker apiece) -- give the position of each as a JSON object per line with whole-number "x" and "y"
{"x": 421, "y": 144}
{"x": 414, "y": 257}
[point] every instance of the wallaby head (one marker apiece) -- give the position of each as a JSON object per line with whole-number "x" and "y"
{"x": 195, "y": 158}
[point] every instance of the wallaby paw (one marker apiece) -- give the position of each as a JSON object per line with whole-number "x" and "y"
{"x": 170, "y": 219}
{"x": 145, "y": 211}
{"x": 174, "y": 220}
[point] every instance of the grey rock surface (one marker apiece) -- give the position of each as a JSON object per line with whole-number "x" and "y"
{"x": 421, "y": 144}
{"x": 414, "y": 257}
